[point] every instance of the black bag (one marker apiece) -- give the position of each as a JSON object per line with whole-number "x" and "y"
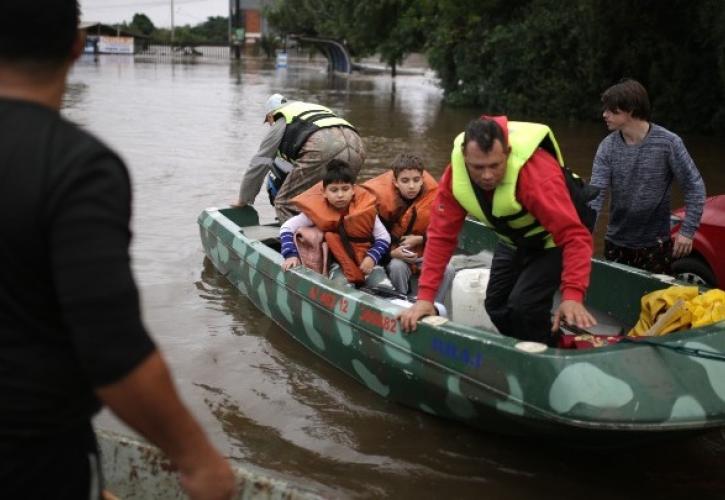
{"x": 277, "y": 174}
{"x": 581, "y": 194}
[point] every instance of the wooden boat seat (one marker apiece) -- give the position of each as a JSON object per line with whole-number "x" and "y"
{"x": 267, "y": 234}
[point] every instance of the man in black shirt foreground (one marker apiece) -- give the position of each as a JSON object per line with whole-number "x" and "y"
{"x": 71, "y": 336}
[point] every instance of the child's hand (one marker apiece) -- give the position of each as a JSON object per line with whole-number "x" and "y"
{"x": 366, "y": 266}
{"x": 411, "y": 240}
{"x": 290, "y": 262}
{"x": 403, "y": 253}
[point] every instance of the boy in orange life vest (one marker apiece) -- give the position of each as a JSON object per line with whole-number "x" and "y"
{"x": 404, "y": 196}
{"x": 346, "y": 214}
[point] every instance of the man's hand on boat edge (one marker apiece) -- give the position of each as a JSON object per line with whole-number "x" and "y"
{"x": 573, "y": 313}
{"x": 409, "y": 318}
{"x": 570, "y": 311}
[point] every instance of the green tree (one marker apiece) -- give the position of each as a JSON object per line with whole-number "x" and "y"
{"x": 269, "y": 45}
{"x": 188, "y": 35}
{"x": 541, "y": 58}
{"x": 391, "y": 28}
{"x": 300, "y": 20}
{"x": 142, "y": 24}
{"x": 544, "y": 58}
{"x": 214, "y": 30}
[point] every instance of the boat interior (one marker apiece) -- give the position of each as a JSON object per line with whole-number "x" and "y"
{"x": 464, "y": 302}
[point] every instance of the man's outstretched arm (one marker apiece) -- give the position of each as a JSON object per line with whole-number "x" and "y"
{"x": 146, "y": 400}
{"x": 260, "y": 163}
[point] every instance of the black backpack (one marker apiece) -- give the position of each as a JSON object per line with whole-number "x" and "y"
{"x": 581, "y": 194}
{"x": 580, "y": 191}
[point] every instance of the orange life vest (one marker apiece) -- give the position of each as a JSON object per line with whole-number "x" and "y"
{"x": 348, "y": 235}
{"x": 399, "y": 217}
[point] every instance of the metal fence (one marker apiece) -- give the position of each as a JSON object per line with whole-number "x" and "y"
{"x": 181, "y": 52}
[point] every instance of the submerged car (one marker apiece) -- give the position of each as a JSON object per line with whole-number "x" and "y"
{"x": 705, "y": 265}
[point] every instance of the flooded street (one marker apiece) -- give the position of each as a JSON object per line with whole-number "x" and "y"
{"x": 187, "y": 133}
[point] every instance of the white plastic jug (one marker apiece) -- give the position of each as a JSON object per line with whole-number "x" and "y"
{"x": 468, "y": 293}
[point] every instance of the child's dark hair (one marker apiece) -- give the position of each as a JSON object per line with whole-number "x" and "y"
{"x": 629, "y": 96}
{"x": 338, "y": 171}
{"x": 407, "y": 161}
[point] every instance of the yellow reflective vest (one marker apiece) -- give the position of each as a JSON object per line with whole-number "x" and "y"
{"x": 304, "y": 119}
{"x": 504, "y": 214}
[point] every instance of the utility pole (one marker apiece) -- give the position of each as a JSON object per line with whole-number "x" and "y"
{"x": 236, "y": 28}
{"x": 172, "y": 22}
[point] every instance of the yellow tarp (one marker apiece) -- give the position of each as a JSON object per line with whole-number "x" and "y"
{"x": 697, "y": 310}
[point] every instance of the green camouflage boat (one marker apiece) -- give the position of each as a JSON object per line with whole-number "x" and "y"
{"x": 615, "y": 394}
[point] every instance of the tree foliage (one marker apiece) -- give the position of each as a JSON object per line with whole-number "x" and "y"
{"x": 391, "y": 28}
{"x": 534, "y": 58}
{"x": 140, "y": 23}
{"x": 552, "y": 59}
{"x": 541, "y": 57}
{"x": 215, "y": 30}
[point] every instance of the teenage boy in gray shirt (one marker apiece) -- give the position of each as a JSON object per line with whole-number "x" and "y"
{"x": 637, "y": 163}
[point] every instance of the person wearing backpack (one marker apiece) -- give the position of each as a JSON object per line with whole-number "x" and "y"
{"x": 510, "y": 176}
{"x": 303, "y": 138}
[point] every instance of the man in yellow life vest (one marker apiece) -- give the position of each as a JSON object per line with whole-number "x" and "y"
{"x": 509, "y": 175}
{"x": 302, "y": 139}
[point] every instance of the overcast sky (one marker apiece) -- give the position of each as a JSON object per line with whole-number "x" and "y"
{"x": 159, "y": 11}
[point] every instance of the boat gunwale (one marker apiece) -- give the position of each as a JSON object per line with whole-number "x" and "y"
{"x": 457, "y": 330}
{"x": 450, "y": 326}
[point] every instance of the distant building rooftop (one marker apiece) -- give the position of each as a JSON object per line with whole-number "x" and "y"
{"x": 95, "y": 28}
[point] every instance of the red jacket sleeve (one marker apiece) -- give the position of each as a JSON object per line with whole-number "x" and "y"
{"x": 446, "y": 221}
{"x": 542, "y": 191}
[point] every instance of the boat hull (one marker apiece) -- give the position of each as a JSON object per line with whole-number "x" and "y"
{"x": 135, "y": 469}
{"x": 480, "y": 378}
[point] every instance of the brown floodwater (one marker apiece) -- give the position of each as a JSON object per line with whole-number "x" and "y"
{"x": 187, "y": 132}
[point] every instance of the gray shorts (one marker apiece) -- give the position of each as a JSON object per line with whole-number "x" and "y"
{"x": 340, "y": 143}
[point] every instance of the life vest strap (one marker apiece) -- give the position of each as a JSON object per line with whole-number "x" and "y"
{"x": 314, "y": 115}
{"x": 413, "y": 218}
{"x": 518, "y": 236}
{"x": 341, "y": 252}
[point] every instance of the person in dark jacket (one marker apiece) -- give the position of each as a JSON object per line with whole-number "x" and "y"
{"x": 71, "y": 335}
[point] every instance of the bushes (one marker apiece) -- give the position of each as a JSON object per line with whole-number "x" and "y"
{"x": 542, "y": 58}
{"x": 552, "y": 59}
